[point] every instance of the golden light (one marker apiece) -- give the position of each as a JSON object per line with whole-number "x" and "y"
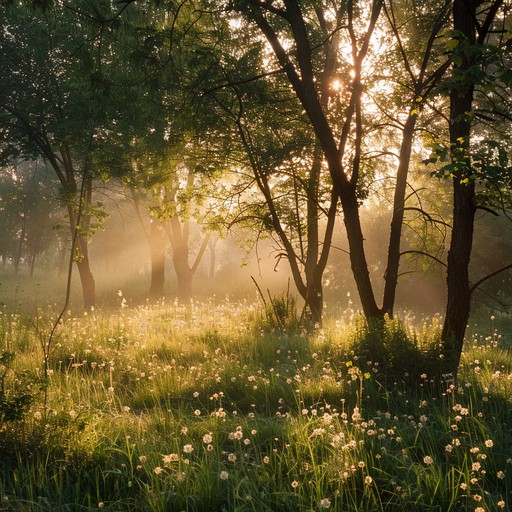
{"x": 336, "y": 85}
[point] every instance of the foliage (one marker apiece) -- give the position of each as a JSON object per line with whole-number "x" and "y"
{"x": 16, "y": 391}
{"x": 280, "y": 314}
{"x": 402, "y": 355}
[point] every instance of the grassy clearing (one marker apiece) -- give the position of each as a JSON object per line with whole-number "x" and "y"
{"x": 203, "y": 408}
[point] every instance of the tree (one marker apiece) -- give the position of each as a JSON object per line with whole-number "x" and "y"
{"x": 473, "y": 24}
{"x": 296, "y": 31}
{"x": 51, "y": 108}
{"x": 280, "y": 185}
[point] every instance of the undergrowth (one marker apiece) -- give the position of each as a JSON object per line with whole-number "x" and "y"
{"x": 214, "y": 408}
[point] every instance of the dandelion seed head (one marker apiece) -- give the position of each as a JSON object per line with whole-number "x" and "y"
{"x": 325, "y": 502}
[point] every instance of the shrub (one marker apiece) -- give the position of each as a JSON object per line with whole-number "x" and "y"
{"x": 16, "y": 392}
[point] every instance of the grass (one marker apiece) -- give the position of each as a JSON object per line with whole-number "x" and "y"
{"x": 206, "y": 408}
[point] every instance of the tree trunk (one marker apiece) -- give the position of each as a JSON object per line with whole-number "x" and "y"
{"x": 457, "y": 279}
{"x": 81, "y": 255}
{"x": 183, "y": 272}
{"x": 20, "y": 244}
{"x": 33, "y": 262}
{"x": 464, "y": 207}
{"x": 313, "y": 300}
{"x": 86, "y": 277}
{"x": 357, "y": 255}
{"x": 391, "y": 275}
{"x": 62, "y": 260}
{"x": 157, "y": 255}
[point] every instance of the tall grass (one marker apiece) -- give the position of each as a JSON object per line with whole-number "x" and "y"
{"x": 211, "y": 408}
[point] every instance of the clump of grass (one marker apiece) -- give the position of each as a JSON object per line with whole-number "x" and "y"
{"x": 279, "y": 313}
{"x": 399, "y": 354}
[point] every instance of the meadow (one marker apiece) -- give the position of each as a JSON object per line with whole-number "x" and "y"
{"x": 228, "y": 406}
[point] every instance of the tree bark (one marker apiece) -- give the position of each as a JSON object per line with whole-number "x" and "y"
{"x": 358, "y": 261}
{"x": 84, "y": 270}
{"x": 464, "y": 200}
{"x": 313, "y": 299}
{"x": 179, "y": 238}
{"x": 183, "y": 271}
{"x": 156, "y": 242}
{"x": 391, "y": 275}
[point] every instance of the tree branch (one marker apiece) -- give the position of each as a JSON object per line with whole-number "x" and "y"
{"x": 492, "y": 274}
{"x": 424, "y": 254}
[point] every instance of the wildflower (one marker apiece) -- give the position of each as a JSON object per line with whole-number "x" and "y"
{"x": 368, "y": 480}
{"x": 325, "y": 502}
{"x": 361, "y": 464}
{"x": 501, "y": 504}
{"x": 188, "y": 448}
{"x": 295, "y": 484}
{"x": 317, "y": 432}
{"x": 158, "y": 470}
{"x": 489, "y": 443}
{"x": 168, "y": 459}
{"x": 479, "y": 509}
{"x": 207, "y": 439}
{"x": 428, "y": 460}
{"x": 195, "y": 394}
{"x": 463, "y": 486}
{"x": 477, "y": 497}
{"x": 448, "y": 448}
{"x": 266, "y": 459}
{"x": 224, "y": 475}
{"x": 101, "y": 504}
{"x": 197, "y": 412}
{"x": 500, "y": 475}
{"x": 37, "y": 415}
{"x": 236, "y": 435}
{"x": 184, "y": 430}
{"x": 232, "y": 457}
{"x": 476, "y": 466}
